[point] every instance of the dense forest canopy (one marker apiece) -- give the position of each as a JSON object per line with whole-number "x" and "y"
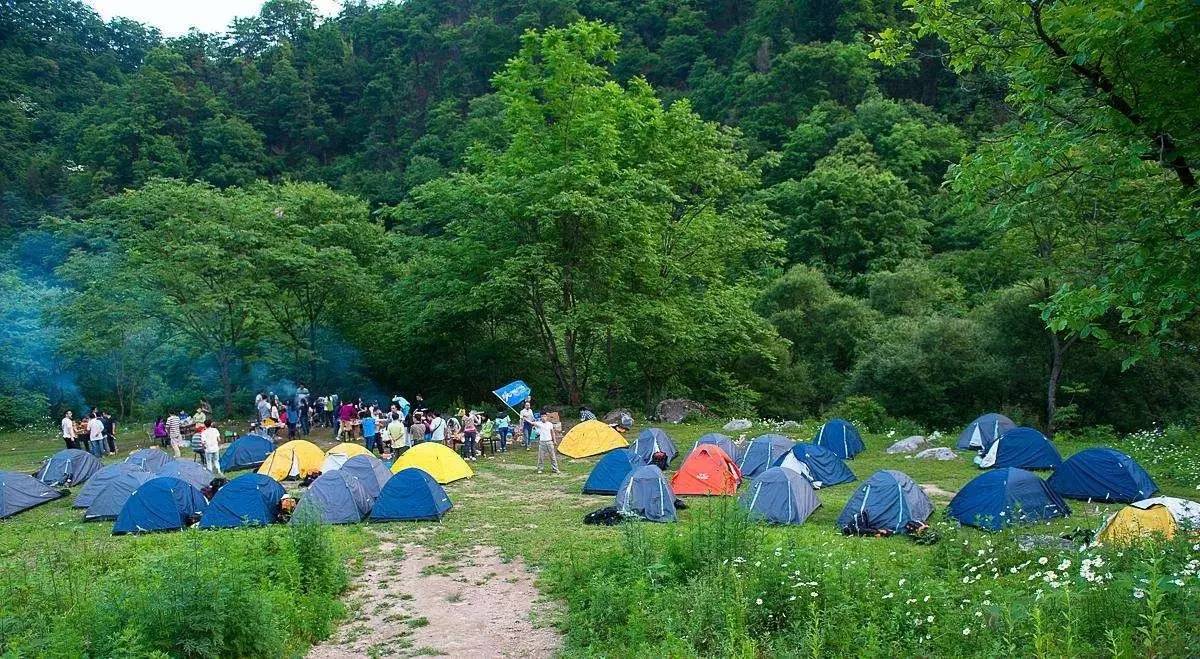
{"x": 924, "y": 208}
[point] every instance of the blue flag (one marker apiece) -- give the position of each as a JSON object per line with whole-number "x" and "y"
{"x": 514, "y": 393}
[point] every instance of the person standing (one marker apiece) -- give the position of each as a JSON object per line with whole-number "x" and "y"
{"x": 175, "y": 433}
{"x": 367, "y": 421}
{"x": 437, "y": 429}
{"x": 96, "y": 436}
{"x": 470, "y": 430}
{"x": 416, "y": 431}
{"x": 300, "y": 408}
{"x": 263, "y": 407}
{"x": 211, "y": 438}
{"x": 206, "y": 407}
{"x": 527, "y": 423}
{"x": 545, "y": 431}
{"x": 160, "y": 432}
{"x": 502, "y": 429}
{"x": 110, "y": 432}
{"x": 346, "y": 420}
{"x": 68, "y": 430}
{"x": 397, "y": 432}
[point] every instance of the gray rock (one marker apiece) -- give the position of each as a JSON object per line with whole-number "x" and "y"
{"x": 675, "y": 410}
{"x": 615, "y": 415}
{"x": 939, "y": 453}
{"x": 737, "y": 425}
{"x": 907, "y": 445}
{"x": 789, "y": 425}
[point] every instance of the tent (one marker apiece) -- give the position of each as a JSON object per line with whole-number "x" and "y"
{"x": 818, "y": 464}
{"x": 610, "y": 471}
{"x": 980, "y": 433}
{"x": 707, "y": 471}
{"x": 1162, "y": 517}
{"x": 645, "y": 493}
{"x": 590, "y": 438}
{"x": 108, "y": 503}
{"x": 651, "y": 441}
{"x": 437, "y": 460}
{"x": 151, "y": 459}
{"x": 160, "y": 504}
{"x": 96, "y": 484}
{"x": 998, "y": 498}
{"x": 246, "y": 452}
{"x": 841, "y": 437}
{"x": 888, "y": 500}
{"x": 192, "y": 472}
{"x": 1024, "y": 448}
{"x": 336, "y": 497}
{"x": 411, "y": 495}
{"x": 717, "y": 439}
{"x": 780, "y": 496}
{"x": 338, "y": 455}
{"x": 763, "y": 452}
{"x": 68, "y": 467}
{"x": 370, "y": 470}
{"x": 248, "y": 500}
{"x": 295, "y": 459}
{"x": 1102, "y": 474}
{"x": 20, "y": 492}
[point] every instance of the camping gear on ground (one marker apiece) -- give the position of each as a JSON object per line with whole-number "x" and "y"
{"x": 818, "y": 464}
{"x": 20, "y": 492}
{"x": 67, "y": 468}
{"x": 724, "y": 442}
{"x": 1102, "y": 474}
{"x": 246, "y": 452}
{"x": 1001, "y": 497}
{"x": 980, "y": 433}
{"x": 707, "y": 471}
{"x": 779, "y": 496}
{"x": 370, "y": 470}
{"x": 762, "y": 453}
{"x": 606, "y": 516}
{"x": 149, "y": 459}
{"x": 99, "y": 480}
{"x": 590, "y": 438}
{"x": 162, "y": 503}
{"x": 338, "y": 455}
{"x": 841, "y": 437}
{"x": 610, "y": 471}
{"x": 651, "y": 441}
{"x": 645, "y": 493}
{"x": 248, "y": 500}
{"x": 109, "y": 501}
{"x": 295, "y": 459}
{"x": 1024, "y": 448}
{"x": 336, "y": 497}
{"x": 192, "y": 472}
{"x": 437, "y": 460}
{"x": 1157, "y": 517}
{"x": 411, "y": 495}
{"x": 884, "y": 504}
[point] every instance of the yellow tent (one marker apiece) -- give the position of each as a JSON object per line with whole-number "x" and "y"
{"x": 338, "y": 455}
{"x": 1132, "y": 523}
{"x": 296, "y": 458}
{"x": 590, "y": 438}
{"x": 436, "y": 460}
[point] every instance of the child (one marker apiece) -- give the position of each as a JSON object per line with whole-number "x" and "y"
{"x": 160, "y": 432}
{"x": 197, "y": 444}
{"x": 503, "y": 428}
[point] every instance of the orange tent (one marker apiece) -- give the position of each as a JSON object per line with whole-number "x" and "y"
{"x": 708, "y": 470}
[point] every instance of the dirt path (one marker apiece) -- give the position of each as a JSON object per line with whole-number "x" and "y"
{"x": 935, "y": 491}
{"x": 414, "y": 603}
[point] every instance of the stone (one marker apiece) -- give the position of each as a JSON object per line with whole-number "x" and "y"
{"x": 675, "y": 410}
{"x": 737, "y": 425}
{"x": 789, "y": 425}
{"x": 615, "y": 415}
{"x": 907, "y": 445}
{"x": 939, "y": 453}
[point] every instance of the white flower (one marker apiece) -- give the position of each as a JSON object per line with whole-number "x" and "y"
{"x": 1138, "y": 593}
{"x": 758, "y": 601}
{"x": 814, "y": 593}
{"x": 889, "y": 596}
{"x": 979, "y": 614}
{"x": 966, "y": 631}
{"x": 901, "y": 582}
{"x": 1064, "y": 565}
{"x": 926, "y": 599}
{"x": 928, "y": 618}
{"x": 1043, "y": 560}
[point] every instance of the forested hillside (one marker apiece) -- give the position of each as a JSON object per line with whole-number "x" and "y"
{"x": 919, "y": 209}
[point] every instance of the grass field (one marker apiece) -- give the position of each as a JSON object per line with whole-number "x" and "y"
{"x": 710, "y": 585}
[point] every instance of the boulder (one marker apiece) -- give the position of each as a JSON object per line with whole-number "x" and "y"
{"x": 675, "y": 410}
{"x": 907, "y": 445}
{"x": 615, "y": 415}
{"x": 789, "y": 425}
{"x": 737, "y": 425}
{"x": 939, "y": 453}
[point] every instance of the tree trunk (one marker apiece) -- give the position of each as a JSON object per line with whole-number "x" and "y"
{"x": 1058, "y": 351}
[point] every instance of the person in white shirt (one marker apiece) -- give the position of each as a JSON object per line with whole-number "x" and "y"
{"x": 437, "y": 428}
{"x": 211, "y": 438}
{"x": 96, "y": 436}
{"x": 175, "y": 432}
{"x": 68, "y": 430}
{"x": 545, "y": 431}
{"x": 527, "y": 423}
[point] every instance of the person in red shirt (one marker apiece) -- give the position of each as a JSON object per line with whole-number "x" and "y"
{"x": 347, "y": 418}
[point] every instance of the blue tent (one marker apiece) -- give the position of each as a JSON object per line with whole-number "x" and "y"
{"x": 841, "y": 437}
{"x": 107, "y": 504}
{"x": 248, "y": 500}
{"x": 370, "y": 471}
{"x": 998, "y": 498}
{"x": 246, "y": 452}
{"x": 1024, "y": 448}
{"x": 336, "y": 497}
{"x": 819, "y": 465}
{"x": 780, "y": 496}
{"x": 192, "y": 472}
{"x": 888, "y": 500}
{"x": 99, "y": 480}
{"x": 610, "y": 471}
{"x": 724, "y": 442}
{"x": 646, "y": 493}
{"x": 68, "y": 467}
{"x": 411, "y": 495}
{"x": 980, "y": 433}
{"x": 20, "y": 492}
{"x": 149, "y": 459}
{"x": 1102, "y": 474}
{"x": 650, "y": 441}
{"x": 160, "y": 504}
{"x": 763, "y": 452}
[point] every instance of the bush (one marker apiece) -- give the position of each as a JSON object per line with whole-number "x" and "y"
{"x": 863, "y": 411}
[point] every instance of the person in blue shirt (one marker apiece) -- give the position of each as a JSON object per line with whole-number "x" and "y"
{"x": 370, "y": 438}
{"x": 503, "y": 428}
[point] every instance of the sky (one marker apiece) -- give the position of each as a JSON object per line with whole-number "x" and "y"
{"x": 174, "y": 17}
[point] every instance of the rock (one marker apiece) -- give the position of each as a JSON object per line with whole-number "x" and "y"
{"x": 675, "y": 410}
{"x": 789, "y": 425}
{"x": 907, "y": 445}
{"x": 737, "y": 425}
{"x": 615, "y": 415}
{"x": 939, "y": 453}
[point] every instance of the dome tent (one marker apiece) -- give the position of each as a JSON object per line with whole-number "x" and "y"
{"x": 707, "y": 471}
{"x": 980, "y": 433}
{"x": 248, "y": 500}
{"x": 336, "y": 497}
{"x": 338, "y": 455}
{"x": 1102, "y": 474}
{"x": 651, "y": 441}
{"x": 1002, "y": 497}
{"x": 819, "y": 465}
{"x": 192, "y": 472}
{"x": 20, "y": 492}
{"x": 1024, "y": 448}
{"x": 160, "y": 504}
{"x": 610, "y": 471}
{"x": 435, "y": 459}
{"x": 888, "y": 500}
{"x": 780, "y": 496}
{"x": 99, "y": 480}
{"x": 591, "y": 437}
{"x": 645, "y": 493}
{"x": 1157, "y": 517}
{"x": 763, "y": 452}
{"x": 109, "y": 502}
{"x": 411, "y": 495}
{"x": 370, "y": 470}
{"x": 295, "y": 459}
{"x": 68, "y": 467}
{"x": 246, "y": 452}
{"x": 841, "y": 437}
{"x": 150, "y": 459}
{"x": 724, "y": 442}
